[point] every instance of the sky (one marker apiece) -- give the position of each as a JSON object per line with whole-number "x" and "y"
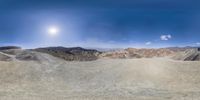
{"x": 100, "y": 23}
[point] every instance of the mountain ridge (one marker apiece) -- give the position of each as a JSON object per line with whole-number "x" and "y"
{"x": 82, "y": 54}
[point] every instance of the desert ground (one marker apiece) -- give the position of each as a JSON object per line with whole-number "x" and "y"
{"x": 102, "y": 79}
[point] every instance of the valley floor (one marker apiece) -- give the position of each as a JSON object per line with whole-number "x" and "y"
{"x": 103, "y": 79}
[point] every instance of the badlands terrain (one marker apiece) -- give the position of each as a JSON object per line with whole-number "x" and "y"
{"x": 58, "y": 73}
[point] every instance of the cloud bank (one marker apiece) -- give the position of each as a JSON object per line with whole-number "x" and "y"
{"x": 198, "y": 43}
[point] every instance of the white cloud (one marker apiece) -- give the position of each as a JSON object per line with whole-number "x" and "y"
{"x": 198, "y": 43}
{"x": 148, "y": 43}
{"x": 165, "y": 37}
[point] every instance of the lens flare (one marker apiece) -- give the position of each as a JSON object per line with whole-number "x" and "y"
{"x": 53, "y": 31}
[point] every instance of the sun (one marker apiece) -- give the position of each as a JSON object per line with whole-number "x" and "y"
{"x": 53, "y": 31}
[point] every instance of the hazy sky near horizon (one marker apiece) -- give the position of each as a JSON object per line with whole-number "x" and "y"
{"x": 100, "y": 23}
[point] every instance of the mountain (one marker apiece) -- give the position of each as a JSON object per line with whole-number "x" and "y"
{"x": 178, "y": 49}
{"x": 71, "y": 54}
{"x": 9, "y": 47}
{"x": 177, "y": 53}
{"x": 81, "y": 54}
{"x": 149, "y": 53}
{"x": 138, "y": 53}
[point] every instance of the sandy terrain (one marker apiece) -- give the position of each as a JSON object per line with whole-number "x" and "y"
{"x": 103, "y": 79}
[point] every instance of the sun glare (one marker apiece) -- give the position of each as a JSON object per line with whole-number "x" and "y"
{"x": 53, "y": 31}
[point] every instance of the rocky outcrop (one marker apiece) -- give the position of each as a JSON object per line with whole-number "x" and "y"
{"x": 71, "y": 54}
{"x": 188, "y": 55}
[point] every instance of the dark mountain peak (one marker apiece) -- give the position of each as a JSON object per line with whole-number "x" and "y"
{"x": 79, "y": 48}
{"x": 9, "y": 47}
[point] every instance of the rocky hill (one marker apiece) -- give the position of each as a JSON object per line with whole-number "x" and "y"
{"x": 119, "y": 54}
{"x": 138, "y": 53}
{"x": 149, "y": 53}
{"x": 188, "y": 55}
{"x": 27, "y": 55}
{"x": 81, "y": 54}
{"x": 71, "y": 54}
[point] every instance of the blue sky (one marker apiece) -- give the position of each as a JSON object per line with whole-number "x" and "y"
{"x": 100, "y": 23}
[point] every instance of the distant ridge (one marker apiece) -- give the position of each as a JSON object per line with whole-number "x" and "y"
{"x": 181, "y": 48}
{"x": 81, "y": 54}
{"x": 71, "y": 54}
{"x": 9, "y": 47}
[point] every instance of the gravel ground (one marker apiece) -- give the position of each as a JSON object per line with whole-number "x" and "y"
{"x": 103, "y": 79}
